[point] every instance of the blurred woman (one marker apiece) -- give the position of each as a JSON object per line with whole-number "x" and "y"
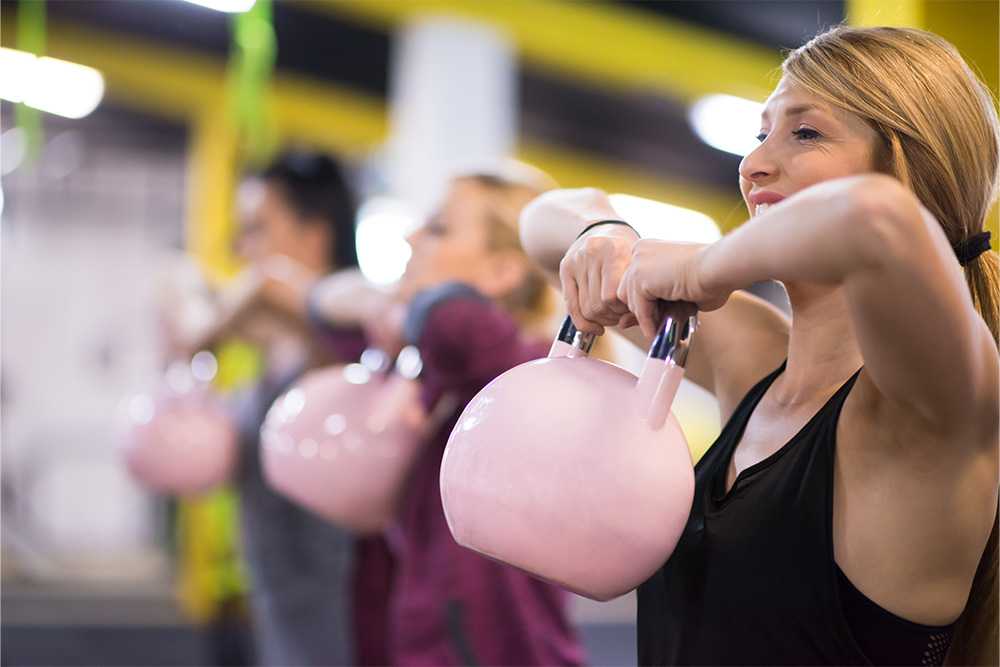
{"x": 474, "y": 306}
{"x": 311, "y": 580}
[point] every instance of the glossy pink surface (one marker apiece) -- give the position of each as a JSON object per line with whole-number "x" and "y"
{"x": 179, "y": 442}
{"x": 341, "y": 443}
{"x": 553, "y": 468}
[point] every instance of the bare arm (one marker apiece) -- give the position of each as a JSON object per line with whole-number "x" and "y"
{"x": 346, "y": 299}
{"x": 924, "y": 345}
{"x": 276, "y": 288}
{"x": 589, "y": 271}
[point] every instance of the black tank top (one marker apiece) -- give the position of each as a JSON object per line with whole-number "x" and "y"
{"x": 753, "y": 579}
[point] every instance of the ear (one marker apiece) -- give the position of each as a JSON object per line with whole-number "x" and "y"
{"x": 505, "y": 271}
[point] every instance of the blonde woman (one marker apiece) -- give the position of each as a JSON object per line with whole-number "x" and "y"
{"x": 847, "y": 513}
{"x": 475, "y": 306}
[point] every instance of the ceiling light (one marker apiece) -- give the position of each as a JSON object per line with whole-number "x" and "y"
{"x": 727, "y": 123}
{"x": 48, "y": 84}
{"x": 231, "y": 6}
{"x": 383, "y": 224}
{"x": 656, "y": 220}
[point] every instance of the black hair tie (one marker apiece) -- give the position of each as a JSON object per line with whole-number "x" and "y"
{"x": 972, "y": 247}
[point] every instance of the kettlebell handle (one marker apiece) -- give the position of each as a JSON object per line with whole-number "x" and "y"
{"x": 672, "y": 343}
{"x": 662, "y": 372}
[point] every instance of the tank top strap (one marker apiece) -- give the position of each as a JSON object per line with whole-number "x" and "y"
{"x": 741, "y": 415}
{"x": 733, "y": 428}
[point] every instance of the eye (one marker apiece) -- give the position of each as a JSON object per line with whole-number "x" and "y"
{"x": 435, "y": 226}
{"x": 805, "y": 133}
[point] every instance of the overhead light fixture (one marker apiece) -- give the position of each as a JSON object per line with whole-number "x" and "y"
{"x": 230, "y": 6}
{"x": 656, "y": 220}
{"x": 51, "y": 85}
{"x": 727, "y": 123}
{"x": 383, "y": 224}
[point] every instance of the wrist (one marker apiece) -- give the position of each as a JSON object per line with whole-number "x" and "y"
{"x": 707, "y": 271}
{"x": 610, "y": 227}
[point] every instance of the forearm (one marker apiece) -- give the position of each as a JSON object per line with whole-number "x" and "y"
{"x": 345, "y": 299}
{"x": 824, "y": 235}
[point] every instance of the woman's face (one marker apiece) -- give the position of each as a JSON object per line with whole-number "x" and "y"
{"x": 269, "y": 225}
{"x": 804, "y": 141}
{"x": 452, "y": 245}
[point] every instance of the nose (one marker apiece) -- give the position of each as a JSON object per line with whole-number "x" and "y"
{"x": 412, "y": 237}
{"x": 758, "y": 164}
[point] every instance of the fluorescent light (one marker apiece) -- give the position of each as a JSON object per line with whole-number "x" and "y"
{"x": 656, "y": 220}
{"x": 17, "y": 67}
{"x": 725, "y": 122}
{"x": 51, "y": 85}
{"x": 231, "y": 6}
{"x": 383, "y": 224}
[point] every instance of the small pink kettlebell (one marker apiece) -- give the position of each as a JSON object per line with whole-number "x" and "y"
{"x": 178, "y": 438}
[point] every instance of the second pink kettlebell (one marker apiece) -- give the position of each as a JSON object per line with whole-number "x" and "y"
{"x": 342, "y": 439}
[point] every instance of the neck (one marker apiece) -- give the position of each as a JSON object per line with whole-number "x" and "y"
{"x": 822, "y": 348}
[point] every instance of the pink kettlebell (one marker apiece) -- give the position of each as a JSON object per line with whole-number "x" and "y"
{"x": 341, "y": 440}
{"x": 571, "y": 469}
{"x": 178, "y": 438}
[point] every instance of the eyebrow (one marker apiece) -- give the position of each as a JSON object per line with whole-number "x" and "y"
{"x": 793, "y": 111}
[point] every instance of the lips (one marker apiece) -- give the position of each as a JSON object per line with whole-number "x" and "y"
{"x": 763, "y": 200}
{"x": 764, "y": 197}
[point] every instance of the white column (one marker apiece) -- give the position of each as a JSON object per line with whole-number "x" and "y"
{"x": 453, "y": 104}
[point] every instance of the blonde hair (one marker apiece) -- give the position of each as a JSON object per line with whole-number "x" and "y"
{"x": 533, "y": 302}
{"x": 939, "y": 135}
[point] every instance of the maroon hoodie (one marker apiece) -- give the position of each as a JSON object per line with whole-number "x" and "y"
{"x": 449, "y": 605}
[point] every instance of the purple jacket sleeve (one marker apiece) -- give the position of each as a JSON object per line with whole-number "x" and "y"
{"x": 465, "y": 342}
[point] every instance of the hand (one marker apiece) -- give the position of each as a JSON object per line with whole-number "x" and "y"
{"x": 383, "y": 324}
{"x": 666, "y": 272}
{"x": 590, "y": 274}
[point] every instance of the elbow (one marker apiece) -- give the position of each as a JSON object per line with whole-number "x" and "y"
{"x": 532, "y": 233}
{"x": 883, "y": 218}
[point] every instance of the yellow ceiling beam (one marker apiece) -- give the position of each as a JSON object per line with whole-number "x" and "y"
{"x": 601, "y": 42}
{"x": 187, "y": 86}
{"x": 178, "y": 84}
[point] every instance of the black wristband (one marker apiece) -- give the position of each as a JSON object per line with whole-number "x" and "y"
{"x": 607, "y": 222}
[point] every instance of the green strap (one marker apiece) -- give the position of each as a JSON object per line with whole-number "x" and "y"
{"x": 31, "y": 38}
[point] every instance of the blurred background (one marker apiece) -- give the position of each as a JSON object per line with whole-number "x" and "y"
{"x": 125, "y": 128}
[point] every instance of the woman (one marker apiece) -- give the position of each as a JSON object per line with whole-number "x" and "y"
{"x": 469, "y": 300}
{"x": 318, "y": 594}
{"x": 844, "y": 515}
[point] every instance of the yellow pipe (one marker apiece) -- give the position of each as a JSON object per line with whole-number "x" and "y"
{"x": 212, "y": 164}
